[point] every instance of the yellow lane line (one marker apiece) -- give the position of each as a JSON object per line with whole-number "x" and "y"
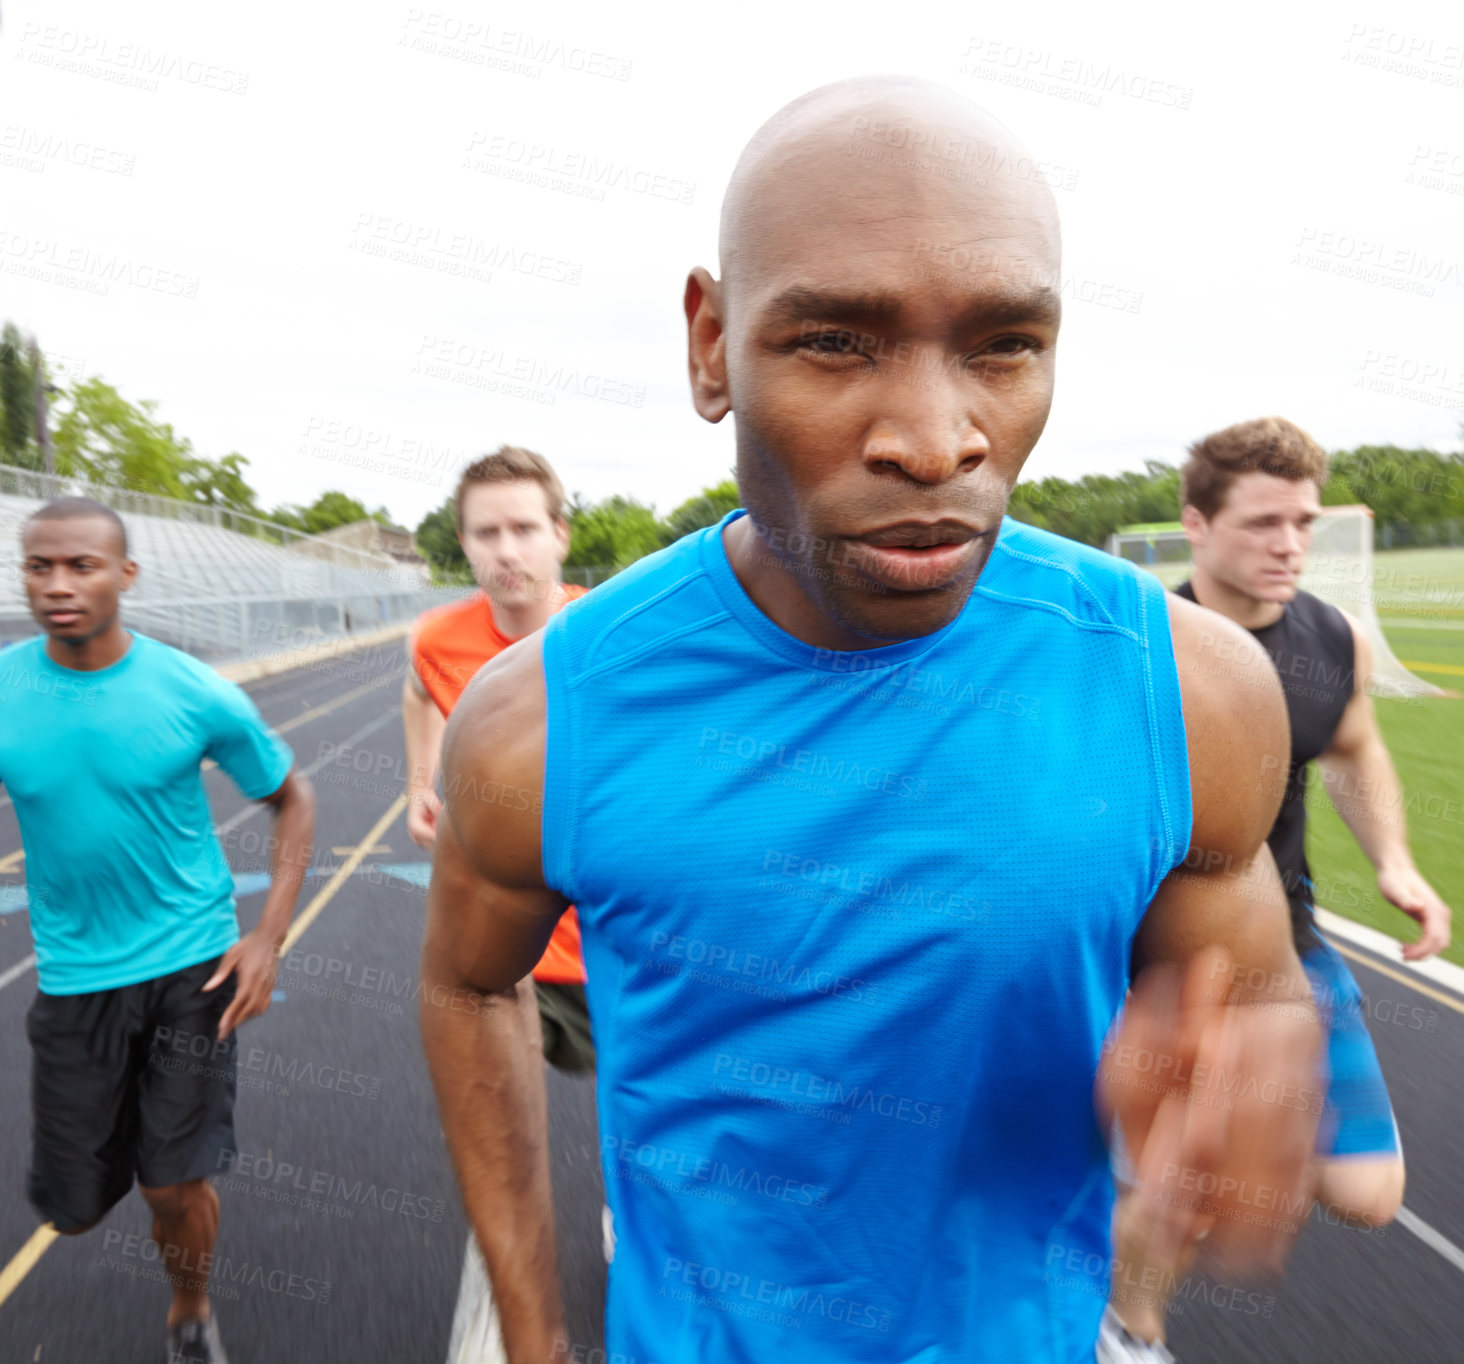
{"x": 25, "y": 1257}
{"x": 40, "y": 1240}
{"x": 1433, "y": 667}
{"x": 12, "y": 860}
{"x": 1373, "y": 964}
{"x": 344, "y": 870}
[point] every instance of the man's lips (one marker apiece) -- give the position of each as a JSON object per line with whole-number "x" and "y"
{"x": 64, "y": 616}
{"x": 918, "y": 534}
{"x": 914, "y": 557}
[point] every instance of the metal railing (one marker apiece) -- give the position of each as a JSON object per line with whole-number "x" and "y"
{"x": 16, "y": 482}
{"x": 198, "y": 592}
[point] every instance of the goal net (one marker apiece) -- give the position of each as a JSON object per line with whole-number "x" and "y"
{"x": 1339, "y": 570}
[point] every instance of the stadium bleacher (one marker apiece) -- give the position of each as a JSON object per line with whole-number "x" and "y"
{"x": 219, "y": 592}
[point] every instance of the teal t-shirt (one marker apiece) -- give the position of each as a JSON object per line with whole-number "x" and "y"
{"x": 125, "y": 877}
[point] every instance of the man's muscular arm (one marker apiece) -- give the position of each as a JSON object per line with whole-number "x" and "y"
{"x": 1213, "y": 1075}
{"x": 489, "y": 917}
{"x": 1364, "y": 787}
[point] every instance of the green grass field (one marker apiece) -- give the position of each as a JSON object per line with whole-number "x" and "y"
{"x": 1420, "y": 599}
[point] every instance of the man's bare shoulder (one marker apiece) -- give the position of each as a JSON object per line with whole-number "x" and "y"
{"x": 493, "y": 765}
{"x": 1235, "y": 726}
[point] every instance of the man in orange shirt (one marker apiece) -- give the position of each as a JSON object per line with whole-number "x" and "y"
{"x": 509, "y": 508}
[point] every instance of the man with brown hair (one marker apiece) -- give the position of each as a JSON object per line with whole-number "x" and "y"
{"x": 509, "y": 509}
{"x": 1251, "y": 494}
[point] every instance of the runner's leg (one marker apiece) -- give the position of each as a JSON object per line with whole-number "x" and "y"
{"x": 186, "y": 1111}
{"x": 185, "y": 1226}
{"x": 1360, "y": 1174}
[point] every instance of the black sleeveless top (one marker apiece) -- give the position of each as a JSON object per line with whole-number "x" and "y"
{"x": 1312, "y": 648}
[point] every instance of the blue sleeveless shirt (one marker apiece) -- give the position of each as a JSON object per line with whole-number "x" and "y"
{"x": 855, "y": 926}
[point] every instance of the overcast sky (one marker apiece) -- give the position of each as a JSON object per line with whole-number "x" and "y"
{"x": 330, "y": 236}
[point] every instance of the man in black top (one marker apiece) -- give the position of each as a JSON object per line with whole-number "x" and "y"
{"x": 1251, "y": 495}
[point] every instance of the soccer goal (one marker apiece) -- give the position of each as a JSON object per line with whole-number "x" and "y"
{"x": 1339, "y": 570}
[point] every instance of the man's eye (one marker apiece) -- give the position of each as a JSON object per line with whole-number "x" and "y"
{"x": 1011, "y": 345}
{"x": 833, "y": 343}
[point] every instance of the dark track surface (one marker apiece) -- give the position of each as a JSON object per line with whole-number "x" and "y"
{"x": 393, "y": 1275}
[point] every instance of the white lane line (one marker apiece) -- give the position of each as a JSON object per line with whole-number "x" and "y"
{"x": 1433, "y": 1239}
{"x": 1441, "y": 972}
{"x": 475, "y": 1337}
{"x": 286, "y": 726}
{"x": 254, "y": 807}
{"x": 17, "y": 971}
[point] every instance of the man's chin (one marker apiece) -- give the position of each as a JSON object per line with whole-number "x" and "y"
{"x": 522, "y": 594}
{"x": 1276, "y": 590}
{"x": 890, "y": 615}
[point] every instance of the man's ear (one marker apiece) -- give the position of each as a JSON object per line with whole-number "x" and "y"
{"x": 561, "y": 536}
{"x": 706, "y": 346}
{"x": 129, "y": 573}
{"x": 1195, "y": 525}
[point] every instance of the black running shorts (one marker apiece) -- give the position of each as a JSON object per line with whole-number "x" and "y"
{"x": 124, "y": 1081}
{"x": 564, "y": 1022}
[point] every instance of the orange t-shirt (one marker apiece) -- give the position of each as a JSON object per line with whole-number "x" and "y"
{"x": 449, "y": 644}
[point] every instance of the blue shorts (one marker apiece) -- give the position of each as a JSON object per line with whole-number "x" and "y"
{"x": 1358, "y": 1117}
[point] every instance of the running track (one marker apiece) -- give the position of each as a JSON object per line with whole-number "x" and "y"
{"x": 335, "y": 1087}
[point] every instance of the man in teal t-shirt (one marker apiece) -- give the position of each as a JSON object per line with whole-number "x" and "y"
{"x": 143, "y": 975}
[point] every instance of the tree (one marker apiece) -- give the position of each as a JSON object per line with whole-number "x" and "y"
{"x": 614, "y": 533}
{"x": 332, "y": 509}
{"x": 705, "y": 509}
{"x": 221, "y": 483}
{"x": 106, "y": 439}
{"x": 17, "y": 402}
{"x": 437, "y": 542}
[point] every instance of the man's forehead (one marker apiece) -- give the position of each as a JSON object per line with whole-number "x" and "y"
{"x": 1256, "y": 493}
{"x": 71, "y": 537}
{"x": 487, "y": 502}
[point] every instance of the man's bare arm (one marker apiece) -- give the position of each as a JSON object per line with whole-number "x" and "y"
{"x": 1213, "y": 1075}
{"x": 252, "y": 960}
{"x": 489, "y": 917}
{"x": 1360, "y": 778}
{"x": 424, "y": 725}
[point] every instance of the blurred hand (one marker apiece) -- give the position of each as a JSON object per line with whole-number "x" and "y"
{"x": 1405, "y": 888}
{"x": 252, "y": 959}
{"x": 1218, "y": 1106}
{"x": 423, "y": 807}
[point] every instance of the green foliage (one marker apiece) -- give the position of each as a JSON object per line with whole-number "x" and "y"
{"x": 221, "y": 483}
{"x": 705, "y": 509}
{"x": 1098, "y": 504}
{"x": 613, "y": 533}
{"x": 437, "y": 542}
{"x": 17, "y": 402}
{"x": 332, "y": 509}
{"x": 106, "y": 439}
{"x": 1417, "y": 486}
{"x": 103, "y": 437}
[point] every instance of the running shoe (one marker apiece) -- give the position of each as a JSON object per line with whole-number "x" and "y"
{"x": 196, "y": 1342}
{"x": 1117, "y": 1346}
